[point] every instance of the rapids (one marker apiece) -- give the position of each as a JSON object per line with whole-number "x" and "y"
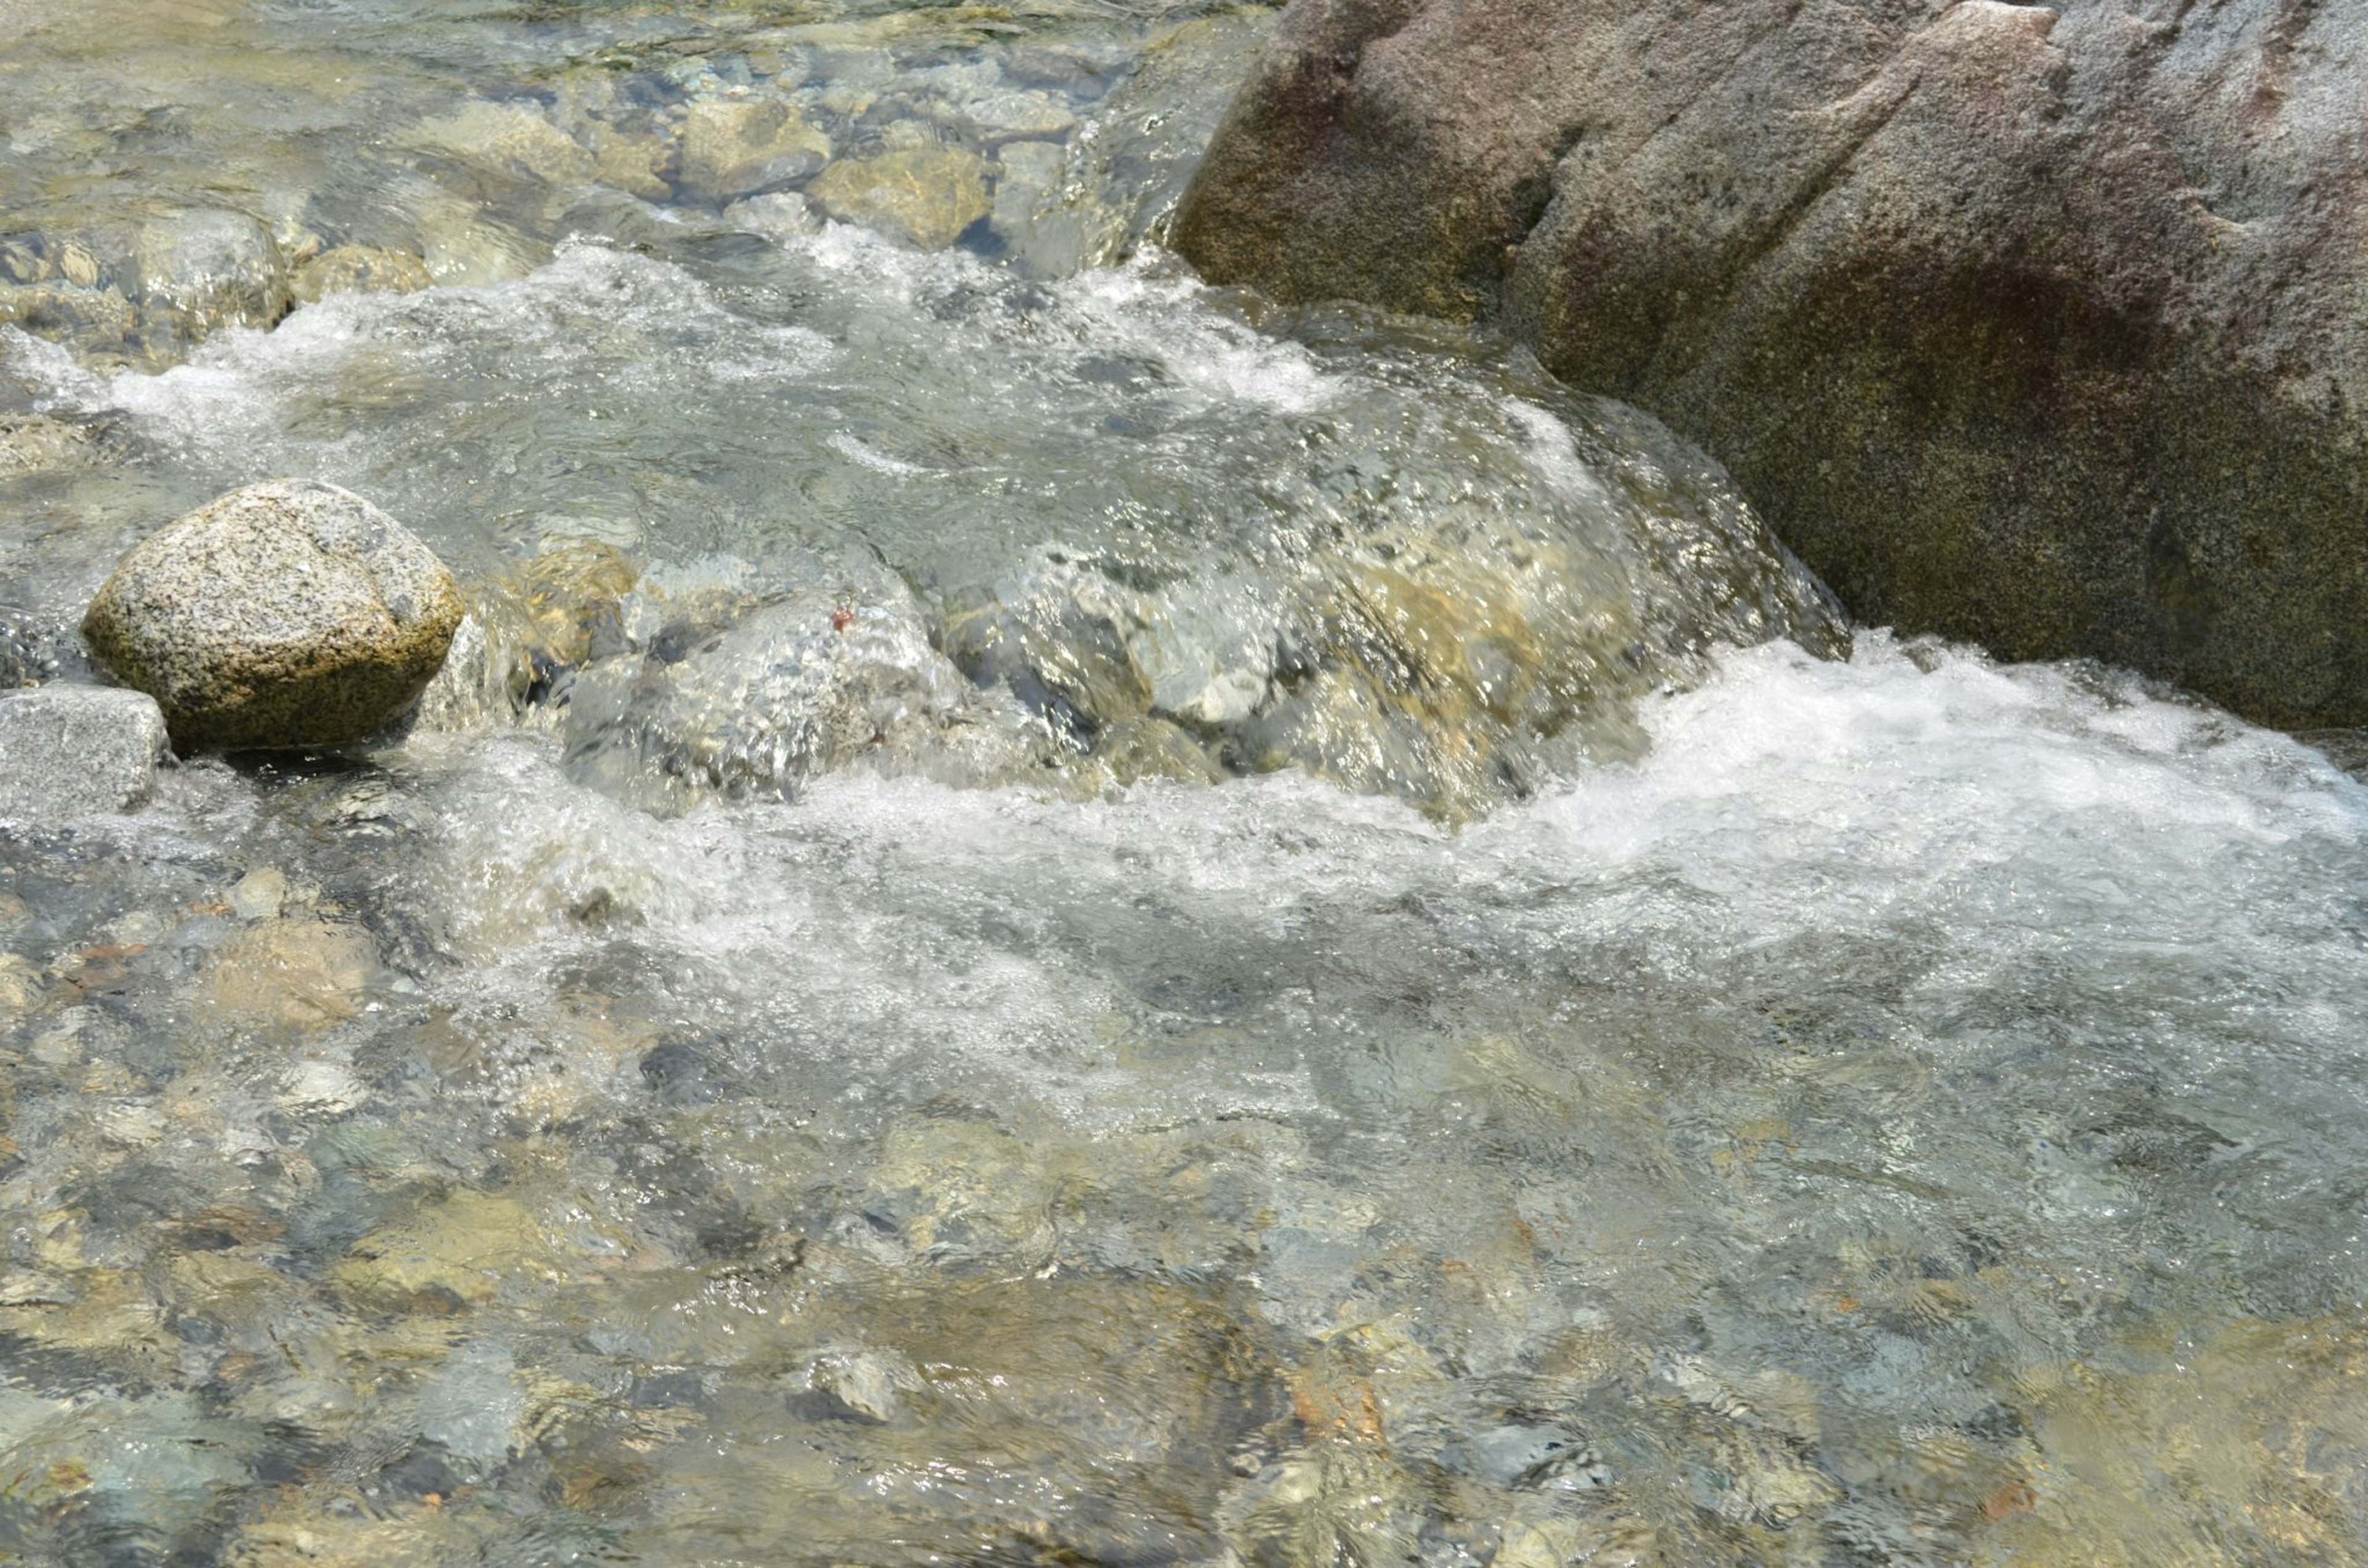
{"x": 1054, "y": 916}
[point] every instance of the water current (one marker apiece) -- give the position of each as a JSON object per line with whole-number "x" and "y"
{"x": 1051, "y": 917}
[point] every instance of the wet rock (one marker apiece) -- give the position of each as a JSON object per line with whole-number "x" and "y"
{"x": 464, "y": 243}
{"x": 300, "y": 973}
{"x": 1135, "y": 749}
{"x": 575, "y": 599}
{"x": 513, "y": 138}
{"x": 286, "y": 614}
{"x": 1129, "y": 163}
{"x": 1446, "y": 653}
{"x": 211, "y": 269}
{"x": 2034, "y": 326}
{"x": 20, "y": 987}
{"x": 636, "y": 165}
{"x": 31, "y": 443}
{"x": 960, "y": 1189}
{"x": 777, "y": 215}
{"x": 261, "y": 893}
{"x": 487, "y": 675}
{"x": 923, "y": 197}
{"x": 813, "y": 682}
{"x": 628, "y": 150}
{"x": 359, "y": 269}
{"x": 89, "y": 321}
{"x": 736, "y": 147}
{"x": 1009, "y": 115}
{"x": 68, "y": 751}
{"x": 451, "y": 1254}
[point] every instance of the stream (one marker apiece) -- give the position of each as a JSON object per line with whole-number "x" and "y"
{"x": 1049, "y": 915}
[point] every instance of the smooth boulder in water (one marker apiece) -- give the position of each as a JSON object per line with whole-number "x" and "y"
{"x": 73, "y": 751}
{"x": 286, "y": 614}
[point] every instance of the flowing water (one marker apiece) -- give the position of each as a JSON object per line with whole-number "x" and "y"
{"x": 1048, "y": 915}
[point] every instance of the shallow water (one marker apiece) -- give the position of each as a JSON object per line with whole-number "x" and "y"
{"x": 1056, "y": 917}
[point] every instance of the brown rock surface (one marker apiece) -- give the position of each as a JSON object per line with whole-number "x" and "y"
{"x": 2043, "y": 327}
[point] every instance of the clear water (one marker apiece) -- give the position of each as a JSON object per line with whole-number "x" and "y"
{"x": 1057, "y": 918}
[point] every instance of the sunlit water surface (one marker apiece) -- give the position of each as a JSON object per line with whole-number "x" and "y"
{"x": 1057, "y": 918}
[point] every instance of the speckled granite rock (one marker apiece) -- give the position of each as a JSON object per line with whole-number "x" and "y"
{"x": 69, "y": 751}
{"x": 286, "y": 614}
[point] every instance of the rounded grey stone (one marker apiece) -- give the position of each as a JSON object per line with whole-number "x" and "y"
{"x": 71, "y": 751}
{"x": 286, "y": 614}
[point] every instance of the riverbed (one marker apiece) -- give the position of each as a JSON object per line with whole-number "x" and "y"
{"x": 1052, "y": 915}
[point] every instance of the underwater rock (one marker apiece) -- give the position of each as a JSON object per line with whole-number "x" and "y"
{"x": 68, "y": 751}
{"x": 736, "y": 147}
{"x": 2033, "y": 326}
{"x": 777, "y": 215}
{"x": 286, "y": 614}
{"x": 511, "y": 138}
{"x": 359, "y": 270}
{"x": 814, "y": 681}
{"x": 451, "y": 1254}
{"x": 87, "y": 320}
{"x": 1093, "y": 1416}
{"x": 1448, "y": 651}
{"x": 924, "y": 197}
{"x": 32, "y": 443}
{"x": 213, "y": 269}
{"x": 293, "y": 972}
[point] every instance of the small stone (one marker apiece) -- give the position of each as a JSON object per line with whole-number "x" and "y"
{"x": 513, "y": 137}
{"x": 574, "y": 594}
{"x": 32, "y": 442}
{"x": 213, "y": 268}
{"x": 83, "y": 318}
{"x": 78, "y": 266}
{"x": 924, "y": 197}
{"x": 286, "y": 614}
{"x": 738, "y": 147}
{"x": 298, "y": 974}
{"x": 359, "y": 269}
{"x": 259, "y": 894}
{"x": 451, "y": 1253}
{"x": 777, "y": 215}
{"x": 69, "y": 751}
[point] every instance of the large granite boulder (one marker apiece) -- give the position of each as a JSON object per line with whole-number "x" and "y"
{"x": 286, "y": 614}
{"x": 2044, "y": 327}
